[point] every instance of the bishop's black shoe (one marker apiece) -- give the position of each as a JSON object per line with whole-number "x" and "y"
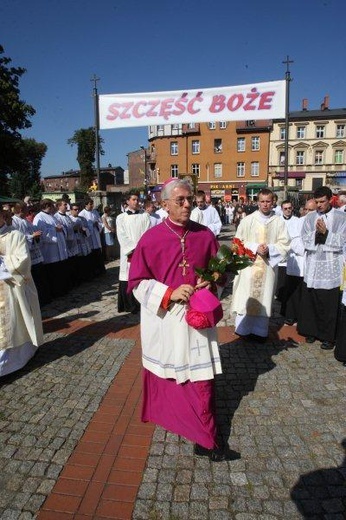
{"x": 216, "y": 454}
{"x": 223, "y": 454}
{"x": 310, "y": 339}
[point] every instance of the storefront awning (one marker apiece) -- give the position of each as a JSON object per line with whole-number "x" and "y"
{"x": 257, "y": 186}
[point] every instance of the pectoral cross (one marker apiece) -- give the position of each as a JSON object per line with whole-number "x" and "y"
{"x": 184, "y": 265}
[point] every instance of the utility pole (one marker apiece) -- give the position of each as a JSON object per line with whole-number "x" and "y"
{"x": 287, "y": 113}
{"x": 95, "y": 79}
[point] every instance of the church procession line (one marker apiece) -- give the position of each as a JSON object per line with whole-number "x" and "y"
{"x": 73, "y": 446}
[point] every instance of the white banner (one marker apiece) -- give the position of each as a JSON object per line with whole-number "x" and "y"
{"x": 244, "y": 102}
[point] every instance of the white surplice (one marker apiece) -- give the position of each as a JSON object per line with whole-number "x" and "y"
{"x": 170, "y": 347}
{"x": 129, "y": 229}
{"x": 94, "y": 222}
{"x": 70, "y": 235}
{"x": 27, "y": 228}
{"x": 324, "y": 262}
{"x": 20, "y": 317}
{"x": 162, "y": 214}
{"x": 209, "y": 217}
{"x": 52, "y": 242}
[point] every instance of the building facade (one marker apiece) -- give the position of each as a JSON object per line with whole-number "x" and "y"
{"x": 229, "y": 159}
{"x": 70, "y": 181}
{"x": 316, "y": 151}
{"x": 234, "y": 159}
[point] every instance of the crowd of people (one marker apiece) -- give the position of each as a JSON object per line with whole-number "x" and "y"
{"x": 45, "y": 251}
{"x": 180, "y": 362}
{"x": 298, "y": 259}
{"x": 302, "y": 264}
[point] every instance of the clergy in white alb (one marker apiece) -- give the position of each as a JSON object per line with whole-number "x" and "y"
{"x": 33, "y": 240}
{"x": 94, "y": 223}
{"x": 85, "y": 260}
{"x": 130, "y": 226}
{"x": 323, "y": 235}
{"x": 53, "y": 248}
{"x": 206, "y": 214}
{"x": 71, "y": 242}
{"x": 20, "y": 318}
{"x": 295, "y": 268}
{"x": 253, "y": 289}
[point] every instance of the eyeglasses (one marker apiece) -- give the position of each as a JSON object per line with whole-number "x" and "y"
{"x": 180, "y": 201}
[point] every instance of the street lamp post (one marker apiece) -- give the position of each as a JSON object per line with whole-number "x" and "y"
{"x": 95, "y": 79}
{"x": 287, "y": 113}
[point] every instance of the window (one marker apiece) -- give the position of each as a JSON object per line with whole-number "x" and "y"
{"x": 174, "y": 170}
{"x": 300, "y": 132}
{"x": 223, "y": 125}
{"x": 195, "y": 147}
{"x": 160, "y": 129}
{"x": 174, "y": 148}
{"x": 300, "y": 158}
{"x": 340, "y": 131}
{"x": 241, "y": 144}
{"x": 282, "y": 158}
{"x": 319, "y": 157}
{"x": 255, "y": 169}
{"x": 240, "y": 169}
{"x": 255, "y": 144}
{"x": 339, "y": 157}
{"x": 175, "y": 126}
{"x": 320, "y": 130}
{"x": 196, "y": 169}
{"x": 282, "y": 133}
{"x": 218, "y": 170}
{"x": 212, "y": 126}
{"x": 217, "y": 145}
{"x": 191, "y": 125}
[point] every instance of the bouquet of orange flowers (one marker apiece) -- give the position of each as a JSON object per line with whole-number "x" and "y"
{"x": 229, "y": 259}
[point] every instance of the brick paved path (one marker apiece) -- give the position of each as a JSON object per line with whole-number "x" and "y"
{"x": 72, "y": 445}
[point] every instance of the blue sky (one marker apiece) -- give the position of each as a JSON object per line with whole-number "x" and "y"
{"x": 137, "y": 46}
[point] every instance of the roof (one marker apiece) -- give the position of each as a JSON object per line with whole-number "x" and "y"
{"x": 308, "y": 115}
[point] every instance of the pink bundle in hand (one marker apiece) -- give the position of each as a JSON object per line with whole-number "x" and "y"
{"x": 204, "y": 311}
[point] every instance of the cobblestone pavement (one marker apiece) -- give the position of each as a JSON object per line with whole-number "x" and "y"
{"x": 281, "y": 405}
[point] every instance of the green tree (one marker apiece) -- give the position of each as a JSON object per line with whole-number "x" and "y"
{"x": 15, "y": 115}
{"x": 85, "y": 140}
{"x": 26, "y": 179}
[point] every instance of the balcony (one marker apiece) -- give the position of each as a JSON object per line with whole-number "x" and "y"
{"x": 191, "y": 129}
{"x": 260, "y": 125}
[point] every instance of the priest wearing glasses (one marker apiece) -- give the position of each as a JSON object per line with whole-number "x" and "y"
{"x": 179, "y": 362}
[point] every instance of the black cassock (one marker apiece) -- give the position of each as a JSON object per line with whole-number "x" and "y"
{"x": 340, "y": 347}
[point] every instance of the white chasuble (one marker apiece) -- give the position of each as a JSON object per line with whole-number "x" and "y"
{"x": 253, "y": 287}
{"x": 20, "y": 317}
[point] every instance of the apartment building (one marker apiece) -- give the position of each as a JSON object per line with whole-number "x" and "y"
{"x": 229, "y": 159}
{"x": 316, "y": 149}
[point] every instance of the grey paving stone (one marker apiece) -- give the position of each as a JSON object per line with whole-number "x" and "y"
{"x": 280, "y": 405}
